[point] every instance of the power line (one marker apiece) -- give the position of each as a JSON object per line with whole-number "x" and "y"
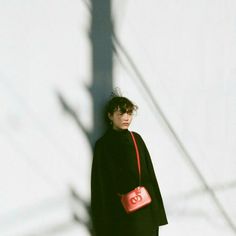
{"x": 199, "y": 191}
{"x": 187, "y": 155}
{"x": 117, "y": 44}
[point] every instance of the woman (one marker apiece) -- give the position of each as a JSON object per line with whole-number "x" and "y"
{"x": 115, "y": 172}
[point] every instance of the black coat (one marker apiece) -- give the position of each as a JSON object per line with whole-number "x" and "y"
{"x": 114, "y": 170}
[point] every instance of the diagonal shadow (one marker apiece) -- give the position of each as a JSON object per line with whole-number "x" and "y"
{"x": 121, "y": 49}
{"x": 101, "y": 87}
{"x": 199, "y": 191}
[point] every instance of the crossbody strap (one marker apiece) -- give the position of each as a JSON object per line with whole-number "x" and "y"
{"x": 137, "y": 156}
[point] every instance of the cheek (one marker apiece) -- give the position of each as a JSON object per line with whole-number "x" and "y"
{"x": 117, "y": 119}
{"x": 120, "y": 118}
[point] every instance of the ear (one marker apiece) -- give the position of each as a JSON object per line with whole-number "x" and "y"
{"x": 109, "y": 116}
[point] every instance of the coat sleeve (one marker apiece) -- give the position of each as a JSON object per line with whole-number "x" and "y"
{"x": 98, "y": 193}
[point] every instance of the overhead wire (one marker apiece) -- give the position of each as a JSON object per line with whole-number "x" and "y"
{"x": 120, "y": 48}
{"x": 187, "y": 155}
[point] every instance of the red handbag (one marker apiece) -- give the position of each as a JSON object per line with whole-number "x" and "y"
{"x": 138, "y": 197}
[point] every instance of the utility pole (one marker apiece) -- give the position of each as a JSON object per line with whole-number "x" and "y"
{"x": 102, "y": 62}
{"x": 102, "y": 84}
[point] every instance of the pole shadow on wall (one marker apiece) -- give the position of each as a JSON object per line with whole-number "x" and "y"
{"x": 102, "y": 85}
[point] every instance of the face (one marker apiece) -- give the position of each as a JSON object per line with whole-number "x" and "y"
{"x": 120, "y": 120}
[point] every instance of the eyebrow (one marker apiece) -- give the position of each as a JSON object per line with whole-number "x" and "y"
{"x": 125, "y": 111}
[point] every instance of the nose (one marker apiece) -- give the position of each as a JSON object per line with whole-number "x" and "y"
{"x": 126, "y": 116}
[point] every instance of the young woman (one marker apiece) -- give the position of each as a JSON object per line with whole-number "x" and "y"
{"x": 115, "y": 172}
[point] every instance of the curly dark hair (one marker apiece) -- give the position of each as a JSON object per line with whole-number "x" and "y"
{"x": 119, "y": 102}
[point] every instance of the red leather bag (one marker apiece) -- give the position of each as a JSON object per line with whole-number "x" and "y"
{"x": 138, "y": 197}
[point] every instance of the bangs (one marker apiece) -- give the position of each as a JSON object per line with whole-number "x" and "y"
{"x": 122, "y": 104}
{"x": 126, "y": 108}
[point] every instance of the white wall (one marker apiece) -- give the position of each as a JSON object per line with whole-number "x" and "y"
{"x": 185, "y": 52}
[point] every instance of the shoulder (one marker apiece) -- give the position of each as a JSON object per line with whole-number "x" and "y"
{"x": 100, "y": 141}
{"x": 98, "y": 151}
{"x": 140, "y": 140}
{"x": 136, "y": 134}
{"x": 138, "y": 137}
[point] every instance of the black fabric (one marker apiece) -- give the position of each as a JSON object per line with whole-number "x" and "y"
{"x": 156, "y": 233}
{"x": 114, "y": 170}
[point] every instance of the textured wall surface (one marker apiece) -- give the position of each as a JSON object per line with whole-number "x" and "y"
{"x": 174, "y": 59}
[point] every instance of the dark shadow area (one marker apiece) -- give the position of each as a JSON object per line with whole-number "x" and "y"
{"x": 101, "y": 36}
{"x": 102, "y": 61}
{"x": 101, "y": 88}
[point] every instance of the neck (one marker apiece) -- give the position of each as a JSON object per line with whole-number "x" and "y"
{"x": 118, "y": 130}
